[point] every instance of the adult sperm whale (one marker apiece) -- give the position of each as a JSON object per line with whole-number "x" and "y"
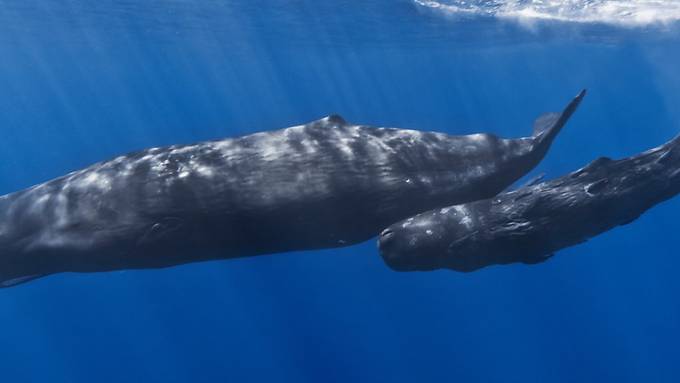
{"x": 320, "y": 185}
{"x": 530, "y": 224}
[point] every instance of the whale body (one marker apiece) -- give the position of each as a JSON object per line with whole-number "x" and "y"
{"x": 320, "y": 185}
{"x": 530, "y": 224}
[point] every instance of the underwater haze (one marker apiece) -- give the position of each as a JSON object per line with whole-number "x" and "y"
{"x": 84, "y": 81}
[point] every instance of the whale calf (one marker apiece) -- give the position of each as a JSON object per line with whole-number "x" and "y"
{"x": 530, "y": 224}
{"x": 320, "y": 185}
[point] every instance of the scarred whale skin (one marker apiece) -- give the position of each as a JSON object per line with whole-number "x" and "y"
{"x": 320, "y": 185}
{"x": 529, "y": 224}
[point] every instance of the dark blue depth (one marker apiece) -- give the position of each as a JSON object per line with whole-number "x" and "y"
{"x": 84, "y": 81}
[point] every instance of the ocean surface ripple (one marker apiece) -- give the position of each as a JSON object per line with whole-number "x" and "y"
{"x": 628, "y": 13}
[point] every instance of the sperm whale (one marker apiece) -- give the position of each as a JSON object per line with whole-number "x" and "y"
{"x": 320, "y": 185}
{"x": 530, "y": 224}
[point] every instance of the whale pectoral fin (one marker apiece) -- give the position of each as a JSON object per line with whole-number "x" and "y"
{"x": 536, "y": 180}
{"x": 20, "y": 280}
{"x": 533, "y": 181}
{"x": 545, "y": 122}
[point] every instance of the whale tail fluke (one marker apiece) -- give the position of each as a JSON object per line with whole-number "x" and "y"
{"x": 547, "y": 126}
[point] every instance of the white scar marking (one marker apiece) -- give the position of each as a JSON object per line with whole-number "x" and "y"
{"x": 94, "y": 179}
{"x": 224, "y": 146}
{"x": 465, "y": 219}
{"x": 60, "y": 210}
{"x": 183, "y": 149}
{"x": 38, "y": 205}
{"x": 127, "y": 171}
{"x": 345, "y": 147}
{"x": 272, "y": 146}
{"x": 42, "y": 199}
{"x": 410, "y": 135}
{"x": 311, "y": 146}
{"x": 203, "y": 170}
{"x": 160, "y": 166}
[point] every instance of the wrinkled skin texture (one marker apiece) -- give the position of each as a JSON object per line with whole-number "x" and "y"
{"x": 529, "y": 224}
{"x": 320, "y": 185}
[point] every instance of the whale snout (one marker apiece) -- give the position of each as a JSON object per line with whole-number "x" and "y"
{"x": 400, "y": 251}
{"x": 390, "y": 248}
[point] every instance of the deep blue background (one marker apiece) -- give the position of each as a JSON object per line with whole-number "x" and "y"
{"x": 84, "y": 81}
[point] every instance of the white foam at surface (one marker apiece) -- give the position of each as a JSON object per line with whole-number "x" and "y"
{"x": 632, "y": 13}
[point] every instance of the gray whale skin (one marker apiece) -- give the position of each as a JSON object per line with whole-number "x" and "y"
{"x": 320, "y": 185}
{"x": 529, "y": 224}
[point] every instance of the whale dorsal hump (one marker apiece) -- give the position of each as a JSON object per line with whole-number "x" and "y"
{"x": 545, "y": 122}
{"x": 328, "y": 121}
{"x": 335, "y": 119}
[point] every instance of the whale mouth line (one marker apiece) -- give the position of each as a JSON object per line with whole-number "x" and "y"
{"x": 385, "y": 237}
{"x": 10, "y": 282}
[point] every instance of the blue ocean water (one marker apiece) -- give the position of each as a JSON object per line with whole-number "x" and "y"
{"x": 84, "y": 81}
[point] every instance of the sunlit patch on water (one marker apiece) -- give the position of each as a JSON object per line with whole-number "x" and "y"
{"x": 634, "y": 13}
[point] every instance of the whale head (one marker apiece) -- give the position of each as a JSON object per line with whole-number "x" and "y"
{"x": 425, "y": 241}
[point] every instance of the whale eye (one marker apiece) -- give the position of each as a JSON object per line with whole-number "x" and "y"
{"x": 160, "y": 230}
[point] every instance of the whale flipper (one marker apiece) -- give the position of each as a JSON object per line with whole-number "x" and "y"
{"x": 534, "y": 181}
